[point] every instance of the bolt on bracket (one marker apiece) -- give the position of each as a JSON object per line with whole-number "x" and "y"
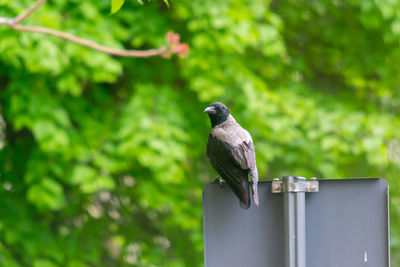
{"x": 279, "y": 186}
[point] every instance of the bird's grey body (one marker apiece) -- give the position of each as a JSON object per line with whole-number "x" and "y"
{"x": 231, "y": 152}
{"x": 224, "y": 133}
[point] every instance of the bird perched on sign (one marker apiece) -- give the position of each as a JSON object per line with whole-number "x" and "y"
{"x": 231, "y": 153}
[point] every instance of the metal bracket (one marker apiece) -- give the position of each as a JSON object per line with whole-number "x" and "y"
{"x": 309, "y": 186}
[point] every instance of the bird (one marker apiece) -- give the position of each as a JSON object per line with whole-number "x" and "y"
{"x": 231, "y": 152}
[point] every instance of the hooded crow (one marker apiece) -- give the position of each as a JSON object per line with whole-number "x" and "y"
{"x": 231, "y": 153}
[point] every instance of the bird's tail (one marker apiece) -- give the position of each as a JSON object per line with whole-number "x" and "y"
{"x": 241, "y": 189}
{"x": 254, "y": 179}
{"x": 245, "y": 199}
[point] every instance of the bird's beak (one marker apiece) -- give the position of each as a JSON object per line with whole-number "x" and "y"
{"x": 210, "y": 110}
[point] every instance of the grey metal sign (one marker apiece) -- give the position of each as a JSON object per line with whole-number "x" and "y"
{"x": 347, "y": 225}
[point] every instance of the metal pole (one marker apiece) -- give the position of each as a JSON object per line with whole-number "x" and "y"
{"x": 295, "y": 224}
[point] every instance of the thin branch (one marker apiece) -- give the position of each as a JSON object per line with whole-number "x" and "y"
{"x": 26, "y": 14}
{"x": 90, "y": 44}
{"x": 173, "y": 45}
{"x": 6, "y": 21}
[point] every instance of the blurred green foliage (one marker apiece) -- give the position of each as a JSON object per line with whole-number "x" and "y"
{"x": 102, "y": 159}
{"x": 117, "y": 4}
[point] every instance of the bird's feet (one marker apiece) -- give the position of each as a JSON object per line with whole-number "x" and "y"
{"x": 219, "y": 181}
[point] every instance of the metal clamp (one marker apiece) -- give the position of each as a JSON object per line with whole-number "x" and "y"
{"x": 309, "y": 186}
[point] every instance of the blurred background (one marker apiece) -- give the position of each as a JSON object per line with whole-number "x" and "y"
{"x": 102, "y": 159}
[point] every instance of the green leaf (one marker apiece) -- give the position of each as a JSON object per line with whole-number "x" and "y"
{"x": 76, "y": 263}
{"x": 48, "y": 194}
{"x": 98, "y": 184}
{"x": 90, "y": 181}
{"x": 116, "y": 5}
{"x": 166, "y": 2}
{"x": 43, "y": 263}
{"x": 83, "y": 174}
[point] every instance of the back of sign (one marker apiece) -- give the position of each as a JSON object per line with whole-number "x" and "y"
{"x": 347, "y": 226}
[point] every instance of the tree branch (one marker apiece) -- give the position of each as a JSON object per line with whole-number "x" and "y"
{"x": 173, "y": 45}
{"x": 26, "y": 14}
{"x": 87, "y": 43}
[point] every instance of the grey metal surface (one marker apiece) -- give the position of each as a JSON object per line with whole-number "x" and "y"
{"x": 294, "y": 207}
{"x": 347, "y": 226}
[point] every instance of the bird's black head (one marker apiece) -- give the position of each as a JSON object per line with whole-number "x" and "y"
{"x": 217, "y": 112}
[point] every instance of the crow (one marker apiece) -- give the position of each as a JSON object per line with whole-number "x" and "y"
{"x": 231, "y": 152}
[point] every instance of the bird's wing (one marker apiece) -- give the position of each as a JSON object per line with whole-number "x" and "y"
{"x": 220, "y": 155}
{"x": 244, "y": 155}
{"x": 240, "y": 144}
